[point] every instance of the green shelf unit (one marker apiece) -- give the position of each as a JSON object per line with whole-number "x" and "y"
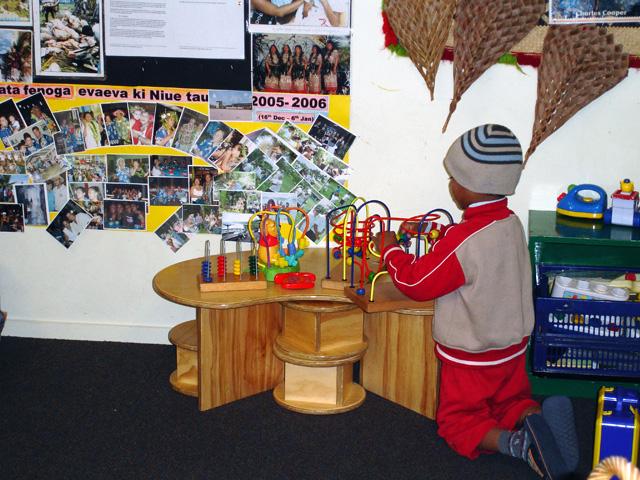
{"x": 558, "y": 240}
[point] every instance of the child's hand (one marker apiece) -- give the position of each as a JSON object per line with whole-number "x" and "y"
{"x": 412, "y": 227}
{"x": 384, "y": 239}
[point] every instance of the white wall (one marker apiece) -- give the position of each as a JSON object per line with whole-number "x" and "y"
{"x": 101, "y": 289}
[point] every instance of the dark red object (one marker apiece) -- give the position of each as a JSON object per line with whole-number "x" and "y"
{"x": 296, "y": 280}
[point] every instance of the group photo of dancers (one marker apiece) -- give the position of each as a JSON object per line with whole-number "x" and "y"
{"x": 315, "y": 64}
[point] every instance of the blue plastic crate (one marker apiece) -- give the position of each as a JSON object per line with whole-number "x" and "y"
{"x": 584, "y": 337}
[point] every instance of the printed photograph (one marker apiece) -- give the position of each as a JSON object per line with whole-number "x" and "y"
{"x": 10, "y": 121}
{"x": 15, "y": 55}
{"x": 297, "y": 138}
{"x": 201, "y": 219}
{"x": 12, "y": 162}
{"x": 127, "y": 168}
{"x": 68, "y": 38}
{"x": 283, "y": 180}
{"x": 46, "y": 163}
{"x": 316, "y": 64}
{"x": 125, "y": 215}
{"x": 142, "y": 120}
{"x": 87, "y": 168}
{"x": 35, "y": 110}
{"x": 307, "y": 197}
{"x": 311, "y": 173}
{"x": 319, "y": 16}
{"x": 69, "y": 224}
{"x": 31, "y": 139}
{"x": 202, "y": 189}
{"x": 15, "y": 13}
{"x": 332, "y": 166}
{"x": 259, "y": 164}
{"x": 165, "y": 124}
{"x": 231, "y": 105}
{"x": 92, "y": 126}
{"x": 318, "y": 220}
{"x": 336, "y": 193}
{"x": 57, "y": 192}
{"x": 116, "y": 123}
{"x": 594, "y": 11}
{"x": 172, "y": 233}
{"x": 126, "y": 191}
{"x": 6, "y": 189}
{"x": 237, "y": 208}
{"x": 277, "y": 201}
{"x": 86, "y": 194}
{"x": 236, "y": 181}
{"x": 11, "y": 217}
{"x": 335, "y": 139}
{"x": 168, "y": 191}
{"x": 69, "y": 139}
{"x": 34, "y": 199}
{"x": 210, "y": 139}
{"x": 169, "y": 166}
{"x": 271, "y": 145}
{"x": 189, "y": 129}
{"x": 233, "y": 151}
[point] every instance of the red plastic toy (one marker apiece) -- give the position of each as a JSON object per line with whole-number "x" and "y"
{"x": 295, "y": 280}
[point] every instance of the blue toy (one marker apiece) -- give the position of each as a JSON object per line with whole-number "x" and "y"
{"x": 624, "y": 206}
{"x": 583, "y": 201}
{"x": 617, "y": 425}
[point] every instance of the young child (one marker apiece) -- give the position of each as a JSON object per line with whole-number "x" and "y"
{"x": 480, "y": 273}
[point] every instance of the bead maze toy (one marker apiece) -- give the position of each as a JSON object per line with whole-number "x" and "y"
{"x": 237, "y": 279}
{"x": 280, "y": 245}
{"x": 356, "y": 251}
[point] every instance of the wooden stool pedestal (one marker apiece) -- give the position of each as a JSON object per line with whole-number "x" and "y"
{"x": 319, "y": 344}
{"x": 184, "y": 378}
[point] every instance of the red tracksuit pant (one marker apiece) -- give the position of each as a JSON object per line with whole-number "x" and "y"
{"x": 473, "y": 400}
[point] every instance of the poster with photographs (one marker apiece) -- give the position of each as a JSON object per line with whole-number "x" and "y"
{"x": 172, "y": 233}
{"x": 127, "y": 168}
{"x": 319, "y": 16}
{"x": 15, "y": 13}
{"x": 231, "y": 105}
{"x": 169, "y": 165}
{"x": 168, "y": 191}
{"x": 334, "y": 138}
{"x": 594, "y": 11}
{"x": 126, "y": 191}
{"x": 271, "y": 145}
{"x": 260, "y": 164}
{"x": 233, "y": 151}
{"x": 15, "y": 55}
{"x": 191, "y": 125}
{"x": 92, "y": 126}
{"x": 57, "y": 192}
{"x": 142, "y": 121}
{"x": 282, "y": 180}
{"x": 46, "y": 163}
{"x": 236, "y": 181}
{"x": 202, "y": 188}
{"x": 316, "y": 64}
{"x": 117, "y": 124}
{"x": 69, "y": 224}
{"x": 10, "y": 121}
{"x": 11, "y": 218}
{"x": 34, "y": 199}
{"x": 210, "y": 139}
{"x": 69, "y": 139}
{"x": 165, "y": 124}
{"x": 35, "y": 110}
{"x": 31, "y": 139}
{"x": 125, "y": 215}
{"x": 68, "y": 38}
{"x": 201, "y": 219}
{"x": 12, "y": 162}
{"x": 87, "y": 168}
{"x": 237, "y": 208}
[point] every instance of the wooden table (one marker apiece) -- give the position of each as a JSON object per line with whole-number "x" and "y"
{"x": 236, "y": 333}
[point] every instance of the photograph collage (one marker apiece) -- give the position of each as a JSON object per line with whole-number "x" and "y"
{"x": 215, "y": 176}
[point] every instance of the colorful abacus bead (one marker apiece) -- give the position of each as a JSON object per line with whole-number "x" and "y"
{"x": 253, "y": 265}
{"x": 222, "y": 266}
{"x": 206, "y": 272}
{"x": 237, "y": 268}
{"x": 361, "y": 291}
{"x": 337, "y": 254}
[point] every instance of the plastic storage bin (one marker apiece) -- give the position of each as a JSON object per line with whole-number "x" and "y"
{"x": 584, "y": 337}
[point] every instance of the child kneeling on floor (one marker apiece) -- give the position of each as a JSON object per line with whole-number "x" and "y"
{"x": 480, "y": 273}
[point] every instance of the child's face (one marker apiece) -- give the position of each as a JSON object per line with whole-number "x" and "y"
{"x": 459, "y": 194}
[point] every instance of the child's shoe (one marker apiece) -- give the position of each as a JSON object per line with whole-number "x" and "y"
{"x": 558, "y": 413}
{"x": 543, "y": 454}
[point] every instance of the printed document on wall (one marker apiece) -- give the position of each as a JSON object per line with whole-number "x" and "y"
{"x": 210, "y": 29}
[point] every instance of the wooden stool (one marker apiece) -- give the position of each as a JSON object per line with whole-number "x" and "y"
{"x": 319, "y": 343}
{"x": 184, "y": 378}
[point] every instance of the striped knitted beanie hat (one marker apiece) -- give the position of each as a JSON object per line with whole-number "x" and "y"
{"x": 486, "y": 159}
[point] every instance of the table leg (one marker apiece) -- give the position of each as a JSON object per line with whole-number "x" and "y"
{"x": 235, "y": 356}
{"x": 400, "y": 364}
